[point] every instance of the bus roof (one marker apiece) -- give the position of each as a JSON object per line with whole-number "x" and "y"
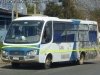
{"x": 79, "y": 21}
{"x": 45, "y": 18}
{"x": 39, "y": 17}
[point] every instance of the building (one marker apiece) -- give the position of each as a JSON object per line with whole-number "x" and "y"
{"x": 21, "y": 7}
{"x": 6, "y": 16}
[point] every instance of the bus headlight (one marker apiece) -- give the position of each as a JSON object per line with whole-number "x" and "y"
{"x": 4, "y": 53}
{"x": 33, "y": 52}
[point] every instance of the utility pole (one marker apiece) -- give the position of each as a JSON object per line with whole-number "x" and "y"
{"x": 16, "y": 9}
{"x": 34, "y": 8}
{"x": 12, "y": 12}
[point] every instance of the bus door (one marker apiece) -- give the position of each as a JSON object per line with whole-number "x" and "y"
{"x": 47, "y": 35}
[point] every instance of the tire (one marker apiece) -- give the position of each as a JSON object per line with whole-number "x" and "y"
{"x": 47, "y": 63}
{"x": 15, "y": 65}
{"x": 75, "y": 62}
{"x": 81, "y": 60}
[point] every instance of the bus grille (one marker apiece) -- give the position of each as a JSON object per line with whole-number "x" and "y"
{"x": 16, "y": 52}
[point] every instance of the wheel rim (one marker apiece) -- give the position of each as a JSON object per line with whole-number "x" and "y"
{"x": 82, "y": 59}
{"x": 47, "y": 63}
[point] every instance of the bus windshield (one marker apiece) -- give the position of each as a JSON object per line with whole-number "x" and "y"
{"x": 24, "y": 32}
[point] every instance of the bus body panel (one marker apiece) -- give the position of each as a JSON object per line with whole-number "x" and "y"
{"x": 59, "y": 51}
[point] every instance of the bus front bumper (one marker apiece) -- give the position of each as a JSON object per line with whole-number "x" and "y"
{"x": 20, "y": 59}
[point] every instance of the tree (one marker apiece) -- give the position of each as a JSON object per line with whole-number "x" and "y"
{"x": 92, "y": 9}
{"x": 66, "y": 10}
{"x": 95, "y": 15}
{"x": 52, "y": 9}
{"x": 70, "y": 10}
{"x": 30, "y": 7}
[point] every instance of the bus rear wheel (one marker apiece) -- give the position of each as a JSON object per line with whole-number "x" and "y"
{"x": 81, "y": 60}
{"x": 15, "y": 65}
{"x": 47, "y": 63}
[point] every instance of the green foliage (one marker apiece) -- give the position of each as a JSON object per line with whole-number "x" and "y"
{"x": 66, "y": 10}
{"x": 30, "y": 8}
{"x": 95, "y": 15}
{"x": 52, "y": 9}
{"x": 0, "y": 46}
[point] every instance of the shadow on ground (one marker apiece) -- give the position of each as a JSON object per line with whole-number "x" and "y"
{"x": 38, "y": 67}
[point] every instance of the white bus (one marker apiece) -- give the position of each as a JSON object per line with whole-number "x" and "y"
{"x": 45, "y": 40}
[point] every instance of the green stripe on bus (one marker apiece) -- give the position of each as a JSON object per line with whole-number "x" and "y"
{"x": 20, "y": 47}
{"x": 46, "y": 51}
{"x": 55, "y": 51}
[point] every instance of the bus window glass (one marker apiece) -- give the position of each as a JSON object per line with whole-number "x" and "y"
{"x": 59, "y": 26}
{"x": 92, "y": 36}
{"x": 47, "y": 34}
{"x": 70, "y": 26}
{"x": 83, "y": 36}
{"x": 59, "y": 32}
{"x": 24, "y": 32}
{"x": 2, "y": 25}
{"x": 59, "y": 36}
{"x": 92, "y": 27}
{"x": 72, "y": 36}
{"x": 83, "y": 27}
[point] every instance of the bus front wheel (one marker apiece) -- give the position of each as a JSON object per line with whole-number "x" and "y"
{"x": 47, "y": 63}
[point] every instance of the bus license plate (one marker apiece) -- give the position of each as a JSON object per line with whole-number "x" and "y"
{"x": 15, "y": 58}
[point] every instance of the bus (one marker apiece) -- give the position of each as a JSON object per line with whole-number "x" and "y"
{"x": 46, "y": 40}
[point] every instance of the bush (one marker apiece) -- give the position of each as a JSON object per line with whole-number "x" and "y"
{"x": 0, "y": 46}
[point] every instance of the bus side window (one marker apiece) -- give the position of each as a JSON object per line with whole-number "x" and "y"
{"x": 47, "y": 34}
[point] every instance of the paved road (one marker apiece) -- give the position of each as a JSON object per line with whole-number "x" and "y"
{"x": 91, "y": 67}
